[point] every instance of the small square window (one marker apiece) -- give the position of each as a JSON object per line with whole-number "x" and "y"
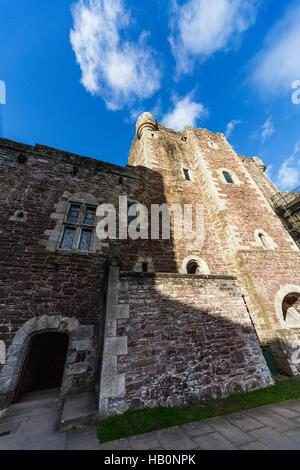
{"x": 68, "y": 239}
{"x": 85, "y": 240}
{"x": 186, "y": 175}
{"x": 89, "y": 216}
{"x": 73, "y": 214}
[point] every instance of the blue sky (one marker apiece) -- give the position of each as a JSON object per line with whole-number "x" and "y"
{"x": 78, "y": 73}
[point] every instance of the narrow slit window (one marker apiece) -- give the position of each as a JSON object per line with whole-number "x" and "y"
{"x": 73, "y": 215}
{"x": 85, "y": 240}
{"x": 68, "y": 239}
{"x": 228, "y": 177}
{"x": 186, "y": 174}
{"x": 263, "y": 240}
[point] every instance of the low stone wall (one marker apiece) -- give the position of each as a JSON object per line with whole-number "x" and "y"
{"x": 183, "y": 339}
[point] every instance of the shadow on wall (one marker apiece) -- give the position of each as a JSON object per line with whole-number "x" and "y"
{"x": 56, "y": 288}
{"x": 169, "y": 338}
{"x": 170, "y": 352}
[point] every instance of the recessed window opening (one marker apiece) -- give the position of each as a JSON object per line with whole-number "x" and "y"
{"x": 75, "y": 170}
{"x": 263, "y": 240}
{"x": 78, "y": 228}
{"x": 228, "y": 177}
{"x": 22, "y": 158}
{"x": 145, "y": 267}
{"x": 19, "y": 214}
{"x": 192, "y": 267}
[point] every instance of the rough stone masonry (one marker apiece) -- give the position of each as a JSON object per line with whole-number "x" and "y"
{"x": 148, "y": 322}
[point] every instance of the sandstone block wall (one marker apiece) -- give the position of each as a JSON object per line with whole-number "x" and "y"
{"x": 150, "y": 339}
{"x": 188, "y": 338}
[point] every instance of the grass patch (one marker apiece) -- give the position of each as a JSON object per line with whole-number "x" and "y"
{"x": 137, "y": 422}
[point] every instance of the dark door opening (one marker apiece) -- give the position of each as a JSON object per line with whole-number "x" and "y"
{"x": 45, "y": 362}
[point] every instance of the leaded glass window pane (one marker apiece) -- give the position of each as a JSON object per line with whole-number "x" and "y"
{"x": 73, "y": 214}
{"x": 85, "y": 240}
{"x": 68, "y": 239}
{"x": 89, "y": 217}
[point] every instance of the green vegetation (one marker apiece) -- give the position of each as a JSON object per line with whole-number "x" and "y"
{"x": 137, "y": 422}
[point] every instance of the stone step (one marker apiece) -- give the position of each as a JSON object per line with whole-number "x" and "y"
{"x": 32, "y": 401}
{"x": 78, "y": 410}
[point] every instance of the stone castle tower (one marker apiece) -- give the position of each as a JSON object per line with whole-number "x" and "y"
{"x": 148, "y": 321}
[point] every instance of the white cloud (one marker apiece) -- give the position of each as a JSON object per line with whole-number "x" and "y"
{"x": 199, "y": 28}
{"x": 185, "y": 113}
{"x": 267, "y": 130}
{"x": 230, "y": 127}
{"x": 118, "y": 70}
{"x": 269, "y": 171}
{"x": 288, "y": 175}
{"x": 289, "y": 172}
{"x": 278, "y": 64}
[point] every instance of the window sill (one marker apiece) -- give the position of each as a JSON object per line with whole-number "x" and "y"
{"x": 78, "y": 252}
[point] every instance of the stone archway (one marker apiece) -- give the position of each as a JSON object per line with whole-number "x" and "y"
{"x": 76, "y": 370}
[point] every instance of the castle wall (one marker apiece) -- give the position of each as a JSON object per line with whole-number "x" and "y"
{"x": 184, "y": 339}
{"x": 147, "y": 339}
{"x": 236, "y": 215}
{"x": 168, "y": 153}
{"x": 257, "y": 170}
{"x": 39, "y": 280}
{"x": 269, "y": 272}
{"x": 242, "y": 204}
{"x": 242, "y": 211}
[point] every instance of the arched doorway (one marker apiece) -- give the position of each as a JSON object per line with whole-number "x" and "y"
{"x": 44, "y": 364}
